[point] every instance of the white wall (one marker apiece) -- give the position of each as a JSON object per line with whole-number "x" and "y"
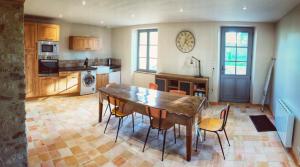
{"x": 286, "y": 80}
{"x": 207, "y": 36}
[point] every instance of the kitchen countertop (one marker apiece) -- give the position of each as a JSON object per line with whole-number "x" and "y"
{"x": 79, "y": 68}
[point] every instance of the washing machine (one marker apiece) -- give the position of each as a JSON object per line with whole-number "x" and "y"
{"x": 88, "y": 82}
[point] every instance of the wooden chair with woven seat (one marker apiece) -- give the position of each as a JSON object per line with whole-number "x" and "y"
{"x": 119, "y": 112}
{"x": 158, "y": 120}
{"x": 214, "y": 125}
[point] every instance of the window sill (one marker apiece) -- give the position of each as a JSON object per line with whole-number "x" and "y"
{"x": 145, "y": 72}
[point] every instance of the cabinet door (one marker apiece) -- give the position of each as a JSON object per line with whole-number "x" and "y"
{"x": 47, "y": 86}
{"x": 161, "y": 84}
{"x": 48, "y": 32}
{"x": 185, "y": 86}
{"x": 73, "y": 81}
{"x": 102, "y": 80}
{"x": 61, "y": 85}
{"x": 31, "y": 63}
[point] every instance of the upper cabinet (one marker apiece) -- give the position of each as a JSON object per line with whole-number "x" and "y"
{"x": 48, "y": 32}
{"x": 84, "y": 43}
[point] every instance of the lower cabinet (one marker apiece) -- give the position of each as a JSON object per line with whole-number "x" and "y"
{"x": 65, "y": 83}
{"x": 102, "y": 80}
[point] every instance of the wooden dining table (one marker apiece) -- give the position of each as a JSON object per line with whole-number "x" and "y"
{"x": 181, "y": 109}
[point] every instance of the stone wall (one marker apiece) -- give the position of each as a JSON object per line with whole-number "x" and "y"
{"x": 12, "y": 86}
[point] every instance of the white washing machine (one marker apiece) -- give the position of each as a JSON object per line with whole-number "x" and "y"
{"x": 88, "y": 82}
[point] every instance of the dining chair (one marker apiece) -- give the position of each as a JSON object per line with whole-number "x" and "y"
{"x": 119, "y": 112}
{"x": 215, "y": 125}
{"x": 158, "y": 120}
{"x": 153, "y": 86}
{"x": 178, "y": 92}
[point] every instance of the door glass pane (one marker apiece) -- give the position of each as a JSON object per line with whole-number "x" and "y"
{"x": 143, "y": 51}
{"x": 230, "y": 39}
{"x": 241, "y": 68}
{"x": 230, "y": 54}
{"x": 242, "y": 39}
{"x": 153, "y": 38}
{"x": 143, "y": 38}
{"x": 142, "y": 63}
{"x": 229, "y": 68}
{"x": 242, "y": 54}
{"x": 153, "y": 51}
{"x": 153, "y": 64}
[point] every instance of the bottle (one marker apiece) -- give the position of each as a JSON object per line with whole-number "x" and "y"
{"x": 86, "y": 63}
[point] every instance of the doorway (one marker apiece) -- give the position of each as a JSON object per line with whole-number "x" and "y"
{"x": 236, "y": 63}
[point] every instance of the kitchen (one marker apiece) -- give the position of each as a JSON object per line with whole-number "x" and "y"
{"x": 67, "y": 59}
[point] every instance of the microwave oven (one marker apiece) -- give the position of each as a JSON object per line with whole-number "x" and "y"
{"x": 47, "y": 49}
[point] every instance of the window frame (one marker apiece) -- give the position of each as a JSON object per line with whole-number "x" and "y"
{"x": 148, "y": 31}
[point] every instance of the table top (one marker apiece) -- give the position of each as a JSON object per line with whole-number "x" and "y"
{"x": 173, "y": 103}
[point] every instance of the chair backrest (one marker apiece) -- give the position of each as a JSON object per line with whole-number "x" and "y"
{"x": 153, "y": 86}
{"x": 224, "y": 115}
{"x": 119, "y": 104}
{"x": 156, "y": 113}
{"x": 179, "y": 92}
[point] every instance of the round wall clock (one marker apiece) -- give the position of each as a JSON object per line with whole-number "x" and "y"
{"x": 185, "y": 41}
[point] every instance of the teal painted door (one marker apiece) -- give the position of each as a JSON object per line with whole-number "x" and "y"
{"x": 236, "y": 60}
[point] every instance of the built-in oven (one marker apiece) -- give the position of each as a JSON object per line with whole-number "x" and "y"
{"x": 48, "y": 67}
{"x": 48, "y": 49}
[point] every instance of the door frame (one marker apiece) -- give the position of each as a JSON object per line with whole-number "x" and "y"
{"x": 250, "y": 56}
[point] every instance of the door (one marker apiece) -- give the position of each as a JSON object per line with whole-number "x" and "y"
{"x": 236, "y": 59}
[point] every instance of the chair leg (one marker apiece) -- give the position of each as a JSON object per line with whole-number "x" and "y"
{"x": 107, "y": 122}
{"x": 132, "y": 123}
{"x": 220, "y": 144}
{"x": 163, "y": 151}
{"x": 197, "y": 140}
{"x": 226, "y": 137}
{"x": 120, "y": 119}
{"x": 146, "y": 138}
{"x": 179, "y": 130}
{"x": 175, "y": 134}
{"x": 106, "y": 109}
{"x": 204, "y": 135}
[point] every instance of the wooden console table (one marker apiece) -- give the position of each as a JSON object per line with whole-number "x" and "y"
{"x": 191, "y": 85}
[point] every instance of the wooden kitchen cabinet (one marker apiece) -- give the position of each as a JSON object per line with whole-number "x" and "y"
{"x": 31, "y": 60}
{"x": 102, "y": 80}
{"x": 48, "y": 32}
{"x": 73, "y": 83}
{"x": 48, "y": 86}
{"x": 83, "y": 43}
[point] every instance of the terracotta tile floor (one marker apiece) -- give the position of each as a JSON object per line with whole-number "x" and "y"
{"x": 63, "y": 131}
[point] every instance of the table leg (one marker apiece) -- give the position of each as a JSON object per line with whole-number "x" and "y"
{"x": 100, "y": 107}
{"x": 189, "y": 138}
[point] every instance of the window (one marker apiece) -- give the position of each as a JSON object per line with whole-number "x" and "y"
{"x": 147, "y": 50}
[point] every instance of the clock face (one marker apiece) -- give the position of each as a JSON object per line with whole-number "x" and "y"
{"x": 185, "y": 41}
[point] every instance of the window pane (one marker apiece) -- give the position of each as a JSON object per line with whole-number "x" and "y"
{"x": 230, "y": 54}
{"x": 153, "y": 64}
{"x": 241, "y": 68}
{"x": 143, "y": 51}
{"x": 143, "y": 38}
{"x": 153, "y": 38}
{"x": 230, "y": 39}
{"x": 242, "y": 39}
{"x": 242, "y": 54}
{"x": 142, "y": 63}
{"x": 230, "y": 68}
{"x": 153, "y": 52}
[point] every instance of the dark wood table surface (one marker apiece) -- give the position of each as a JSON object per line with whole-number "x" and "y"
{"x": 181, "y": 109}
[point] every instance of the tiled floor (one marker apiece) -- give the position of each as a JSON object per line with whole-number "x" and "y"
{"x": 63, "y": 131}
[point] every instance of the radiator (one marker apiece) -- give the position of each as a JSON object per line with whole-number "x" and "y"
{"x": 284, "y": 122}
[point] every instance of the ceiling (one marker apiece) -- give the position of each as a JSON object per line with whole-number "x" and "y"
{"x": 113, "y": 13}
